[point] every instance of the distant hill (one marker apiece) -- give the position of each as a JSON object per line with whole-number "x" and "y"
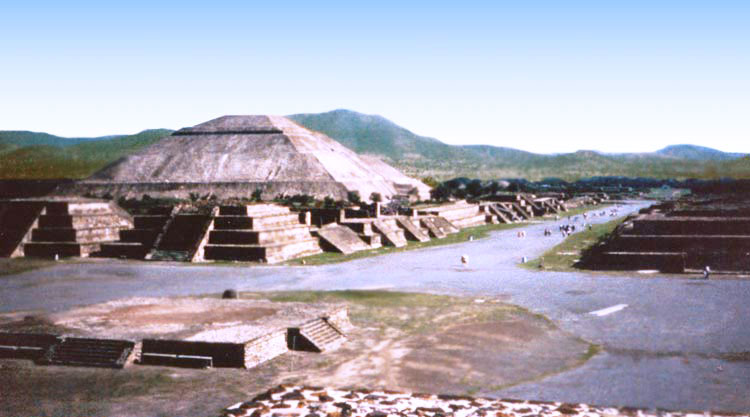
{"x": 700, "y": 153}
{"x": 39, "y": 155}
{"x": 26, "y": 138}
{"x": 422, "y": 156}
{"x": 369, "y": 134}
{"x": 50, "y": 156}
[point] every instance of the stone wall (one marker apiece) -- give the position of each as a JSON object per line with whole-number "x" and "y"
{"x": 269, "y": 190}
{"x": 339, "y": 318}
{"x": 265, "y": 348}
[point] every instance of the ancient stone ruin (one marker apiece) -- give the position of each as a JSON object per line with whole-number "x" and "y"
{"x": 689, "y": 235}
{"x": 50, "y": 228}
{"x": 257, "y": 232}
{"x": 237, "y": 156}
{"x": 191, "y": 332}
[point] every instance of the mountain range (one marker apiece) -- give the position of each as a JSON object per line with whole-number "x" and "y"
{"x": 31, "y": 155}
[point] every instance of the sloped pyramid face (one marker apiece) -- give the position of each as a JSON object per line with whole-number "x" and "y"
{"x": 239, "y": 154}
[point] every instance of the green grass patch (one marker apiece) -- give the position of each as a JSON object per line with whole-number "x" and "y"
{"x": 478, "y": 232}
{"x": 11, "y": 266}
{"x": 584, "y": 209}
{"x": 368, "y": 298}
{"x": 564, "y": 256}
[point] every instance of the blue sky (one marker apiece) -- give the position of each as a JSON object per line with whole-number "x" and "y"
{"x": 544, "y": 76}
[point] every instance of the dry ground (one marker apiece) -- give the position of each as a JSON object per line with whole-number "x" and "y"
{"x": 402, "y": 341}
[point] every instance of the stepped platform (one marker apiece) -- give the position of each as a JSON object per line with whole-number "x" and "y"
{"x": 75, "y": 351}
{"x": 338, "y": 238}
{"x": 186, "y": 331}
{"x": 317, "y": 335}
{"x": 138, "y": 242}
{"x": 59, "y": 228}
{"x": 671, "y": 262}
{"x": 657, "y": 224}
{"x": 681, "y": 243}
{"x": 412, "y": 231}
{"x": 259, "y": 237}
{"x": 461, "y": 214}
{"x": 17, "y": 221}
{"x": 268, "y": 253}
{"x": 258, "y": 233}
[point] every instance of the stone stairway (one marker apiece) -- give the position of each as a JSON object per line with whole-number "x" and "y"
{"x": 261, "y": 233}
{"x": 412, "y": 230}
{"x": 74, "y": 351}
{"x": 322, "y": 335}
{"x": 500, "y": 213}
{"x": 363, "y": 228}
{"x": 390, "y": 232}
{"x": 432, "y": 228}
{"x": 335, "y": 237}
{"x": 74, "y": 229}
{"x": 137, "y": 242}
{"x": 181, "y": 239}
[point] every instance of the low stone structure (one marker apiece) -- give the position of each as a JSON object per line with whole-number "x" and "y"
{"x": 52, "y": 228}
{"x": 260, "y": 232}
{"x": 188, "y": 332}
{"x": 669, "y": 238}
{"x": 318, "y": 401}
{"x": 460, "y": 214}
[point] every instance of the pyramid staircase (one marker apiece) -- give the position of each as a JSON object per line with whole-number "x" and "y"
{"x": 137, "y": 242}
{"x": 181, "y": 238}
{"x": 412, "y": 230}
{"x": 74, "y": 351}
{"x": 501, "y": 214}
{"x": 75, "y": 228}
{"x": 335, "y": 237}
{"x": 390, "y": 232}
{"x": 260, "y": 232}
{"x": 364, "y": 229}
{"x": 433, "y": 229}
{"x": 318, "y": 336}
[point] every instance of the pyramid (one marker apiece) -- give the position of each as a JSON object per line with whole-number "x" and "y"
{"x": 233, "y": 156}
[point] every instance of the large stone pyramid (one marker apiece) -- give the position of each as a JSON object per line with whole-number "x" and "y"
{"x": 232, "y": 156}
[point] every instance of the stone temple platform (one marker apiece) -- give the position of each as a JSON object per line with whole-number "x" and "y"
{"x": 290, "y": 401}
{"x": 188, "y": 332}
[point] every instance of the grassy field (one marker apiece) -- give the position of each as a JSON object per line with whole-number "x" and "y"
{"x": 564, "y": 256}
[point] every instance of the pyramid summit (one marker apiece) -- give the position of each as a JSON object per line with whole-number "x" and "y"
{"x": 232, "y": 156}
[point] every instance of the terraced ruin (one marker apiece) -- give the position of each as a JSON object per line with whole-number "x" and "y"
{"x": 197, "y": 333}
{"x": 680, "y": 236}
{"x": 258, "y": 232}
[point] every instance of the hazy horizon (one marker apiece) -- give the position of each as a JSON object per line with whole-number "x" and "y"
{"x": 533, "y": 75}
